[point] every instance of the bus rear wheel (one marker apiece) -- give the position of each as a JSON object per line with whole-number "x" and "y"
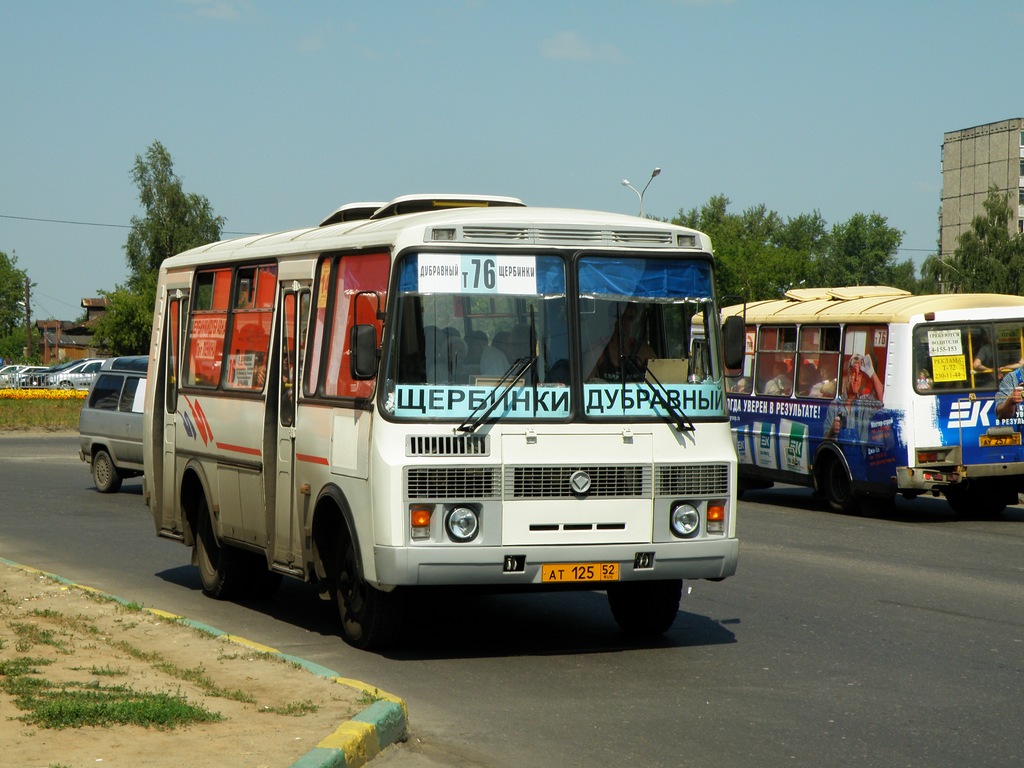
{"x": 835, "y": 485}
{"x": 645, "y": 608}
{"x": 976, "y": 499}
{"x": 370, "y": 617}
{"x": 220, "y": 569}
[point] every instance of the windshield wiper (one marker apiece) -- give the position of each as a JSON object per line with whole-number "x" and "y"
{"x": 678, "y": 419}
{"x": 515, "y": 372}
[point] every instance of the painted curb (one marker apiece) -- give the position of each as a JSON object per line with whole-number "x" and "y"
{"x": 353, "y": 743}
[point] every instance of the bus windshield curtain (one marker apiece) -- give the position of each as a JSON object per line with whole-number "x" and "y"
{"x": 645, "y": 278}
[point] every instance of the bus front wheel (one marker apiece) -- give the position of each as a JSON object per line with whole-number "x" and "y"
{"x": 645, "y": 608}
{"x": 370, "y": 618}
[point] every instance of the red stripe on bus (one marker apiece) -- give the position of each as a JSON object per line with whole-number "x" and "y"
{"x": 239, "y": 449}
{"x": 311, "y": 459}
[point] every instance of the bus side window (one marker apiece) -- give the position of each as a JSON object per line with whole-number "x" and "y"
{"x": 365, "y": 276}
{"x": 207, "y": 328}
{"x": 250, "y": 324}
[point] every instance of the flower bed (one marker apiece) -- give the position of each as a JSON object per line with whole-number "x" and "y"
{"x": 45, "y": 409}
{"x": 42, "y": 394}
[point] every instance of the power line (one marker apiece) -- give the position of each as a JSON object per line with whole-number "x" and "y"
{"x": 226, "y": 232}
{"x": 91, "y": 223}
{"x": 63, "y": 221}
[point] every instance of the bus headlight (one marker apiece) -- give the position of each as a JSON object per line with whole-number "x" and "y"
{"x": 685, "y": 520}
{"x": 462, "y": 524}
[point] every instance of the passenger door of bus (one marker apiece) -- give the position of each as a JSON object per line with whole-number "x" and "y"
{"x": 287, "y": 533}
{"x": 166, "y": 481}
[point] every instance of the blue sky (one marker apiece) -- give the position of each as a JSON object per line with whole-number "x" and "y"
{"x": 280, "y": 112}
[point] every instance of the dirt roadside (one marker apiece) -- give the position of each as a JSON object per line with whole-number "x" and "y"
{"x": 90, "y": 636}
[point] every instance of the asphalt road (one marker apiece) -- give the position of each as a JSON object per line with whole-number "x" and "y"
{"x": 895, "y": 639}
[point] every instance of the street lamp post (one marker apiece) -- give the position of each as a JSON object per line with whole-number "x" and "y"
{"x": 639, "y": 194}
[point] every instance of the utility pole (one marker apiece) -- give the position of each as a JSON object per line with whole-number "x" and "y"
{"x": 28, "y": 321}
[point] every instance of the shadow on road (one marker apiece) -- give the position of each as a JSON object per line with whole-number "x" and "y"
{"x": 451, "y": 623}
{"x": 923, "y": 509}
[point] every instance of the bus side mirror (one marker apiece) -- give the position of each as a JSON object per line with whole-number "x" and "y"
{"x": 734, "y": 337}
{"x": 363, "y": 344}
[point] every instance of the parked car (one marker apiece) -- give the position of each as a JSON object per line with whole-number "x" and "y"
{"x": 110, "y": 424}
{"x": 29, "y": 375}
{"x": 9, "y": 375}
{"x": 79, "y": 375}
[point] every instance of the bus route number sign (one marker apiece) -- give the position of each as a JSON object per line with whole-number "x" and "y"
{"x": 477, "y": 273}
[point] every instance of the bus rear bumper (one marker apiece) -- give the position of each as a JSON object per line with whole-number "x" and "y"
{"x": 925, "y": 479}
{"x": 521, "y": 566}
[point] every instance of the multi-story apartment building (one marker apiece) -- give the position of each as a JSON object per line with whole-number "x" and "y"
{"x": 974, "y": 159}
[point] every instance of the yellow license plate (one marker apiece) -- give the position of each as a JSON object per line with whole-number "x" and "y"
{"x": 996, "y": 441}
{"x": 557, "y": 573}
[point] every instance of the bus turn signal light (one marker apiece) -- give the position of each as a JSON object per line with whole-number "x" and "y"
{"x": 716, "y": 518}
{"x": 419, "y": 517}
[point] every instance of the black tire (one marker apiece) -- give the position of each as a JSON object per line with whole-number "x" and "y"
{"x": 975, "y": 500}
{"x": 645, "y": 608}
{"x": 836, "y": 487}
{"x": 104, "y": 473}
{"x": 370, "y": 618}
{"x": 220, "y": 571}
{"x": 66, "y": 385}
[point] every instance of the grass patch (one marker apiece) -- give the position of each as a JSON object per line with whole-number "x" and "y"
{"x": 75, "y": 706}
{"x": 293, "y": 709}
{"x": 195, "y": 675}
{"x": 366, "y": 698}
{"x": 50, "y": 415}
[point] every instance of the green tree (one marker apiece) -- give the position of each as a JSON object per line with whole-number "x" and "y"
{"x": 174, "y": 221}
{"x": 988, "y": 258}
{"x": 12, "y": 295}
{"x": 861, "y": 251}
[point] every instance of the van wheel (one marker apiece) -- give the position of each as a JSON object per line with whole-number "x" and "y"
{"x": 370, "y": 618}
{"x": 220, "y": 568}
{"x": 104, "y": 473}
{"x": 645, "y": 608}
{"x": 836, "y": 486}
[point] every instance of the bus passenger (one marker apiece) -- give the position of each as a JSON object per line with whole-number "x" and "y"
{"x": 494, "y": 358}
{"x": 807, "y": 376}
{"x": 1010, "y": 394}
{"x": 625, "y": 350}
{"x": 983, "y": 357}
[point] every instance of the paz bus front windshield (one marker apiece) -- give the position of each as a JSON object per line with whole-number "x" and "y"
{"x": 471, "y": 329}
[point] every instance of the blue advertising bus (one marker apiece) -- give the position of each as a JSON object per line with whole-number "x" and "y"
{"x": 871, "y": 391}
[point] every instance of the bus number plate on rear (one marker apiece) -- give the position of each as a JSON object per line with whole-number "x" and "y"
{"x": 997, "y": 441}
{"x": 556, "y": 573}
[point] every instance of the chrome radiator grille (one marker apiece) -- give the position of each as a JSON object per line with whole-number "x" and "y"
{"x": 692, "y": 480}
{"x": 547, "y": 482}
{"x": 453, "y": 483}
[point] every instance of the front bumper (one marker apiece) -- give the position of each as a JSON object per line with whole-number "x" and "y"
{"x": 448, "y": 565}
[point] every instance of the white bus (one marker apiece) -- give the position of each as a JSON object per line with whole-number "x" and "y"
{"x": 871, "y": 391}
{"x": 451, "y": 390}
